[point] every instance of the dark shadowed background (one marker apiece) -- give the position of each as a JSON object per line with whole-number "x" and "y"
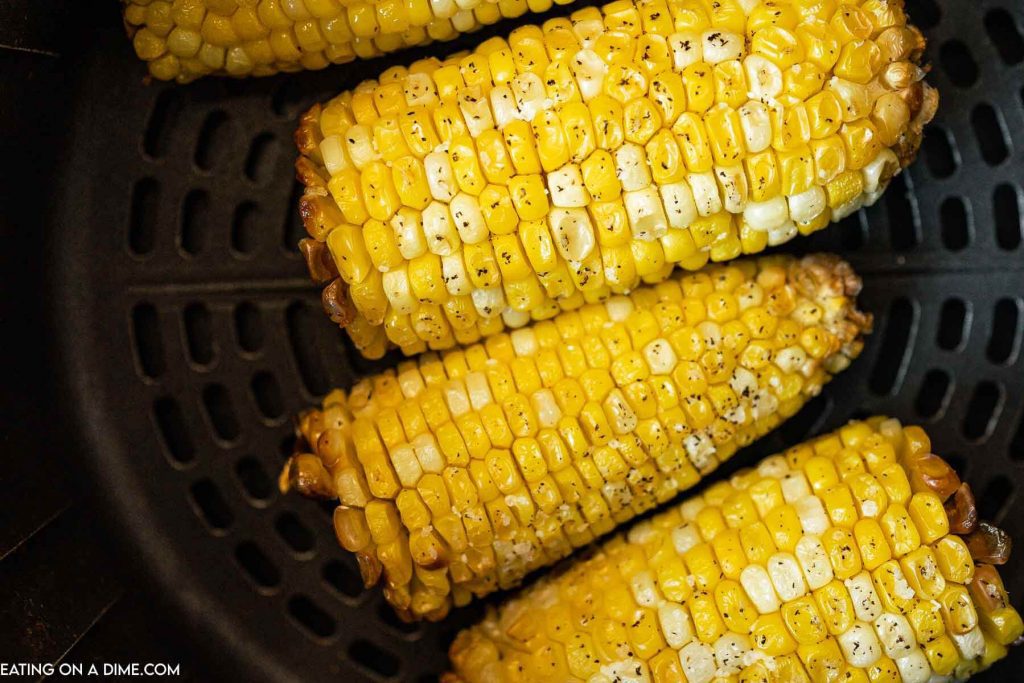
{"x": 159, "y": 332}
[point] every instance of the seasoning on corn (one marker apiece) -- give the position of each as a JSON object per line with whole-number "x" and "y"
{"x": 182, "y": 40}
{"x": 460, "y": 473}
{"x": 584, "y": 157}
{"x": 674, "y": 599}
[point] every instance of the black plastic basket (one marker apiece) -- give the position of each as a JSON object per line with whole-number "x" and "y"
{"x": 189, "y": 334}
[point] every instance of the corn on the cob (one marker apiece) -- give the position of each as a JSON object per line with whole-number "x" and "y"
{"x": 450, "y": 200}
{"x": 182, "y": 40}
{"x": 460, "y": 473}
{"x": 833, "y": 561}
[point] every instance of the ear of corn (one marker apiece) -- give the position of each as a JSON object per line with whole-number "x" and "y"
{"x": 461, "y": 473}
{"x": 831, "y": 562}
{"x": 182, "y": 40}
{"x": 576, "y": 160}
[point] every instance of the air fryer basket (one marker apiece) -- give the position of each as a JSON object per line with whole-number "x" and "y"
{"x": 189, "y": 335}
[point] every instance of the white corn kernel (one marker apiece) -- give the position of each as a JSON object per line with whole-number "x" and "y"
{"x": 766, "y": 215}
{"x": 660, "y": 357}
{"x": 786, "y": 576}
{"x": 631, "y": 167}
{"x": 914, "y": 667}
{"x": 721, "y": 46}
{"x": 757, "y": 126}
{"x": 764, "y": 78}
{"x": 733, "y": 182}
{"x": 791, "y": 359}
{"x": 589, "y": 70}
{"x": 419, "y": 90}
{"x": 411, "y": 382}
{"x": 705, "y": 193}
{"x": 514, "y": 319}
{"x": 885, "y": 164}
{"x": 566, "y": 188}
{"x": 687, "y": 48}
{"x": 698, "y": 662}
{"x": 860, "y": 645}
{"x": 407, "y": 466}
{"x": 443, "y": 9}
{"x": 503, "y": 106}
{"x": 332, "y": 149}
{"x": 782, "y": 234}
{"x": 468, "y": 218}
{"x": 440, "y": 176}
{"x": 688, "y": 509}
{"x": 441, "y": 237}
{"x": 456, "y": 279}
{"x": 546, "y": 407}
{"x": 675, "y": 624}
{"x": 895, "y": 634}
{"x": 685, "y": 537}
{"x": 646, "y": 214}
{"x": 478, "y": 390}
{"x": 427, "y": 451}
{"x": 475, "y": 110}
{"x": 645, "y": 590}
{"x": 866, "y": 605}
{"x": 970, "y": 644}
{"x": 489, "y": 301}
{"x": 359, "y": 145}
{"x": 813, "y": 518}
{"x": 794, "y": 486}
{"x": 758, "y": 586}
{"x": 529, "y": 93}
{"x": 731, "y": 653}
{"x": 855, "y": 99}
{"x": 808, "y": 204}
{"x": 352, "y": 488}
{"x": 618, "y": 307}
{"x": 814, "y": 561}
{"x": 773, "y": 466}
{"x": 680, "y": 208}
{"x": 743, "y": 382}
{"x": 524, "y": 342}
{"x": 456, "y": 397}
{"x": 464, "y": 21}
{"x": 573, "y": 233}
{"x": 620, "y": 414}
{"x": 398, "y": 290}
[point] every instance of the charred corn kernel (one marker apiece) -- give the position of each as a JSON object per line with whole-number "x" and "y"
{"x": 841, "y": 632}
{"x": 546, "y": 437}
{"x": 686, "y": 134}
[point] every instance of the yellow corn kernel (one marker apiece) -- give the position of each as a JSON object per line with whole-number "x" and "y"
{"x": 926, "y": 620}
{"x": 928, "y": 515}
{"x": 835, "y": 606}
{"x": 954, "y": 559}
{"x": 770, "y": 635}
{"x": 871, "y": 540}
{"x": 843, "y": 553}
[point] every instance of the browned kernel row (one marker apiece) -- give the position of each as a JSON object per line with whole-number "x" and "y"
{"x": 834, "y": 561}
{"x": 461, "y": 473}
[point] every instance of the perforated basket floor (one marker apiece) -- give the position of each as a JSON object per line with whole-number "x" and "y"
{"x": 190, "y": 335}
